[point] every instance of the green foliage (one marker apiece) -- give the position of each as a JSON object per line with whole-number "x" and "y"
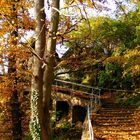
{"x": 129, "y": 99}
{"x": 65, "y": 125}
{"x": 128, "y": 82}
{"x": 35, "y": 128}
{"x": 120, "y": 38}
{"x": 103, "y": 79}
{"x": 110, "y": 76}
{"x": 137, "y": 40}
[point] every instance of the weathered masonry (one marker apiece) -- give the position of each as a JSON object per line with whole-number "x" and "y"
{"x": 71, "y": 100}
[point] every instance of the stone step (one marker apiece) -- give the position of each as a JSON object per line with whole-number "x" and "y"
{"x": 114, "y": 121}
{"x": 115, "y": 111}
{"x": 118, "y": 133}
{"x": 117, "y": 137}
{"x": 128, "y": 129}
{"x": 114, "y": 117}
{"x": 100, "y": 124}
{"x": 121, "y": 127}
{"x": 111, "y": 115}
{"x": 110, "y": 105}
{"x": 118, "y": 118}
{"x": 130, "y": 133}
{"x": 118, "y": 109}
{"x": 115, "y": 114}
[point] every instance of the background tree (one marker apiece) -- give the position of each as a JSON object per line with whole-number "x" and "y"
{"x": 102, "y": 52}
{"x": 14, "y": 53}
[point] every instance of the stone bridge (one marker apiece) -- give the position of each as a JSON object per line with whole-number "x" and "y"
{"x": 71, "y": 100}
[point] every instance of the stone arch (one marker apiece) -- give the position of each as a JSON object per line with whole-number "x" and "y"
{"x": 62, "y": 109}
{"x": 26, "y": 92}
{"x": 78, "y": 114}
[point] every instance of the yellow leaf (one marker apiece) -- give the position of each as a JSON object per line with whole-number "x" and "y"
{"x": 90, "y": 3}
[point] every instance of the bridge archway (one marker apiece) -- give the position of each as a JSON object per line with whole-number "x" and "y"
{"x": 78, "y": 114}
{"x": 62, "y": 109}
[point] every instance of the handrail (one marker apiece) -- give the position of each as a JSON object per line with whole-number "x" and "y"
{"x": 83, "y": 92}
{"x": 94, "y": 97}
{"x": 97, "y": 88}
{"x": 90, "y": 128}
{"x": 73, "y": 83}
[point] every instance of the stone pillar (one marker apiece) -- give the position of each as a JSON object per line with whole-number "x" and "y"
{"x": 70, "y": 114}
{"x": 53, "y": 111}
{"x": 54, "y": 105}
{"x": 85, "y": 132}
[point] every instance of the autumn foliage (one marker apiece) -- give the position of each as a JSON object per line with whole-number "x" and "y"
{"x": 15, "y": 21}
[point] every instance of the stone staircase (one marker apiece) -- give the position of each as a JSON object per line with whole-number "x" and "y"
{"x": 114, "y": 122}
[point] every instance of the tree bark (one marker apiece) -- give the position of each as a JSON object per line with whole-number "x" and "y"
{"x": 49, "y": 57}
{"x": 36, "y": 125}
{"x": 43, "y": 76}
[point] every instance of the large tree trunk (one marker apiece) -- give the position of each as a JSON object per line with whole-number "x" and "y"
{"x": 43, "y": 74}
{"x": 36, "y": 125}
{"x": 49, "y": 56}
